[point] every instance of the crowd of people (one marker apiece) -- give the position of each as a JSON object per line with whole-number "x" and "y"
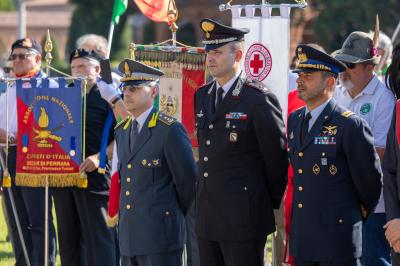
{"x": 333, "y": 166}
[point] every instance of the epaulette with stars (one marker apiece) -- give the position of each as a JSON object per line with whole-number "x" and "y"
{"x": 124, "y": 122}
{"x": 255, "y": 84}
{"x": 347, "y": 114}
{"x": 166, "y": 119}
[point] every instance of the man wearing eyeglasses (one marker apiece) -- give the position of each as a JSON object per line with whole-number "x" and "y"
{"x": 363, "y": 93}
{"x": 30, "y": 202}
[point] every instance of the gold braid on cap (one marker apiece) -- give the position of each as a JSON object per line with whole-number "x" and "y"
{"x": 207, "y": 27}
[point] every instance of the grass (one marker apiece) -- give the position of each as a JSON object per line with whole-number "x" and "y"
{"x": 6, "y": 252}
{"x": 7, "y": 255}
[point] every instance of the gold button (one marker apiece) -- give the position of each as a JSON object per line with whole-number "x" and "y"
{"x": 300, "y": 171}
{"x": 301, "y": 154}
{"x": 323, "y": 154}
{"x": 300, "y": 188}
{"x": 129, "y": 166}
{"x": 340, "y": 221}
{"x": 300, "y": 205}
{"x": 128, "y": 206}
{"x": 127, "y": 193}
{"x": 128, "y": 179}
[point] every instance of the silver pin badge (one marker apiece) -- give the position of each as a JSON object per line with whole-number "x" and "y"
{"x": 228, "y": 124}
{"x": 291, "y": 135}
{"x": 324, "y": 161}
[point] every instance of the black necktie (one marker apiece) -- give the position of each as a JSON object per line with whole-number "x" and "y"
{"x": 220, "y": 92}
{"x": 304, "y": 126}
{"x": 134, "y": 133}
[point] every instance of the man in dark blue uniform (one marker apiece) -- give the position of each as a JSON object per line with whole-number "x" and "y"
{"x": 157, "y": 174}
{"x": 337, "y": 179}
{"x": 242, "y": 156}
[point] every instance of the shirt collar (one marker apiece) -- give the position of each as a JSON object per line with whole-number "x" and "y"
{"x": 371, "y": 86}
{"x": 229, "y": 84}
{"x": 142, "y": 117}
{"x": 317, "y": 111}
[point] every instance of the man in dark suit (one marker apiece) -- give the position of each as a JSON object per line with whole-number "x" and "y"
{"x": 242, "y": 156}
{"x": 337, "y": 179}
{"x": 157, "y": 174}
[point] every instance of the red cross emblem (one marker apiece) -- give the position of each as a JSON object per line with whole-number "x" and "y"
{"x": 258, "y": 62}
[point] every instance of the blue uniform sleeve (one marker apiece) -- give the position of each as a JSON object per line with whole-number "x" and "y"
{"x": 179, "y": 156}
{"x": 363, "y": 163}
{"x": 271, "y": 136}
{"x": 389, "y": 168}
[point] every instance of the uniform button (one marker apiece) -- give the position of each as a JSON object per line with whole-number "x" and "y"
{"x": 205, "y": 174}
{"x": 301, "y": 154}
{"x": 167, "y": 213}
{"x": 300, "y": 205}
{"x": 128, "y": 179}
{"x": 128, "y": 206}
{"x": 288, "y": 149}
{"x": 208, "y": 142}
{"x": 245, "y": 188}
{"x": 129, "y": 166}
{"x": 300, "y": 188}
{"x": 300, "y": 171}
{"x": 323, "y": 154}
{"x": 210, "y": 126}
{"x": 206, "y": 159}
{"x": 127, "y": 193}
{"x": 340, "y": 221}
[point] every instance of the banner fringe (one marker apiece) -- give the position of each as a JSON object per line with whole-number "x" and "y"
{"x": 39, "y": 180}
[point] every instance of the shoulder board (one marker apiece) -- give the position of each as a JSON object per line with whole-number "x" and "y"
{"x": 347, "y": 114}
{"x": 125, "y": 122}
{"x": 206, "y": 84}
{"x": 255, "y": 84}
{"x": 166, "y": 119}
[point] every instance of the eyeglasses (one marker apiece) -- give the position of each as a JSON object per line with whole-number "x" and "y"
{"x": 21, "y": 56}
{"x": 350, "y": 65}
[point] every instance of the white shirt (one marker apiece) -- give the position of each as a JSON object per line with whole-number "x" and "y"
{"x": 375, "y": 103}
{"x": 142, "y": 118}
{"x": 226, "y": 87}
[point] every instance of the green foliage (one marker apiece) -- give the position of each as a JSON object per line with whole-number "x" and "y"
{"x": 340, "y": 17}
{"x": 7, "y": 5}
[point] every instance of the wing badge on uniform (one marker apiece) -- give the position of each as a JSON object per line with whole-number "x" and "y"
{"x": 330, "y": 130}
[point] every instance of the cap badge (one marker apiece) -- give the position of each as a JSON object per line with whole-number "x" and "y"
{"x": 301, "y": 56}
{"x": 127, "y": 70}
{"x": 27, "y": 43}
{"x": 76, "y": 53}
{"x": 207, "y": 28}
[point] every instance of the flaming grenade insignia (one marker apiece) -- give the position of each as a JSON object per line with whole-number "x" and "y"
{"x": 43, "y": 134}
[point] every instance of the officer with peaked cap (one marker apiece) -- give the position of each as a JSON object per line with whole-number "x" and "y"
{"x": 337, "y": 179}
{"x": 242, "y": 151}
{"x": 156, "y": 169}
{"x": 80, "y": 212}
{"x": 362, "y": 92}
{"x": 29, "y": 201}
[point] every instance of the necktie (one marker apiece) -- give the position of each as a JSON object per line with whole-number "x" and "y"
{"x": 220, "y": 92}
{"x": 304, "y": 126}
{"x": 134, "y": 133}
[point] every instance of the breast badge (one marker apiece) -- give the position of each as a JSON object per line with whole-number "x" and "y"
{"x": 332, "y": 169}
{"x": 316, "y": 169}
{"x": 233, "y": 137}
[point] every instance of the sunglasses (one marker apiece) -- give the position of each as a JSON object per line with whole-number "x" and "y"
{"x": 350, "y": 65}
{"x": 21, "y": 56}
{"x": 7, "y": 69}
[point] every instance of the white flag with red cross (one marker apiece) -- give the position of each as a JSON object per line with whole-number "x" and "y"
{"x": 267, "y": 47}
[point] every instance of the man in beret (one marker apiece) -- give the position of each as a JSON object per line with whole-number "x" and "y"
{"x": 84, "y": 237}
{"x": 29, "y": 202}
{"x": 242, "y": 155}
{"x": 362, "y": 92}
{"x": 337, "y": 176}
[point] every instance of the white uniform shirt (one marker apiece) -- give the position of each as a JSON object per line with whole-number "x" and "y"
{"x": 375, "y": 104}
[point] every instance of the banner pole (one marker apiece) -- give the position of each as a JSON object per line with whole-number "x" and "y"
{"x": 110, "y": 37}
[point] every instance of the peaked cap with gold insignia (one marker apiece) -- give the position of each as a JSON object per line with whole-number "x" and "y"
{"x": 310, "y": 59}
{"x": 136, "y": 73}
{"x": 27, "y": 43}
{"x": 218, "y": 35}
{"x": 81, "y": 53}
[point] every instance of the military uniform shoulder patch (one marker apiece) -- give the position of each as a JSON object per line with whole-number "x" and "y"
{"x": 166, "y": 119}
{"x": 255, "y": 84}
{"x": 124, "y": 122}
{"x": 347, "y": 114}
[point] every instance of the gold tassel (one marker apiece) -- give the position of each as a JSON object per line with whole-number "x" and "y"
{"x": 37, "y": 180}
{"x": 6, "y": 178}
{"x": 112, "y": 221}
{"x": 82, "y": 181}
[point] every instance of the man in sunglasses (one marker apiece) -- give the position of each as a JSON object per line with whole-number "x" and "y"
{"x": 29, "y": 201}
{"x": 363, "y": 93}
